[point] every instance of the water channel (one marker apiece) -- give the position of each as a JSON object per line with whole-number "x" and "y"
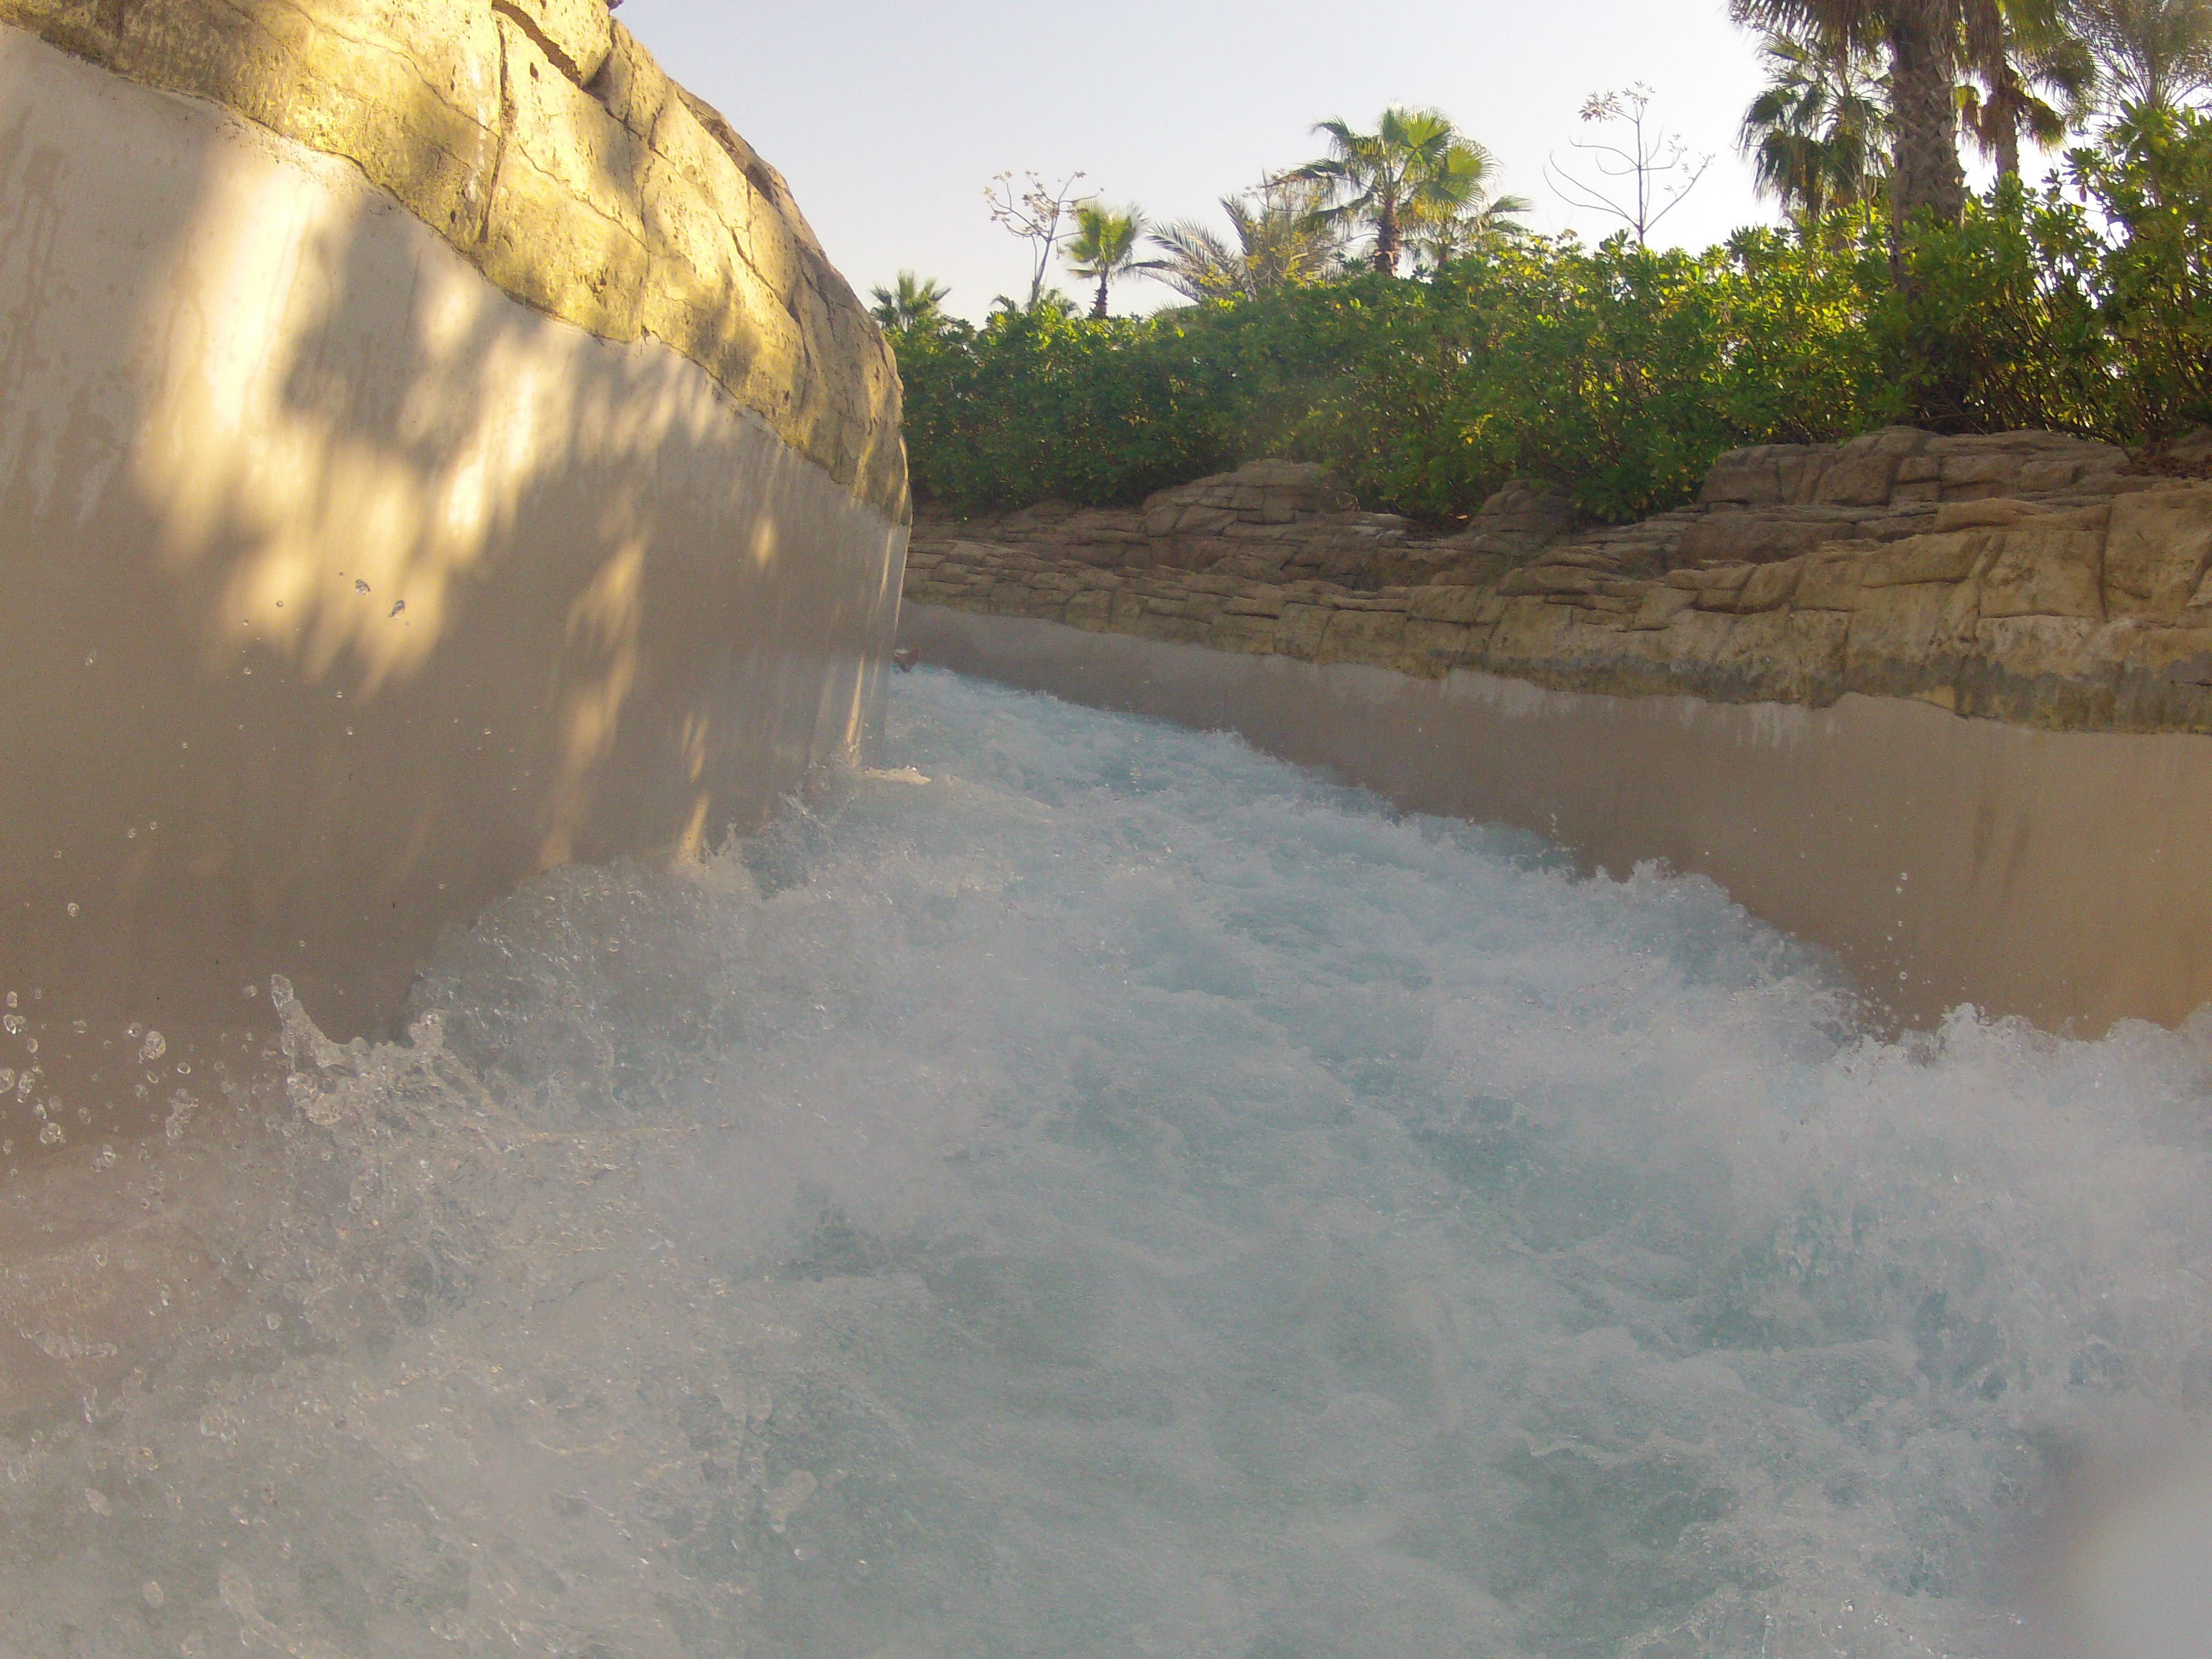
{"x": 1085, "y": 1188}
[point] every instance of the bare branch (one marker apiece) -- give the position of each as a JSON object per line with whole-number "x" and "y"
{"x": 1038, "y": 214}
{"x": 1658, "y": 162}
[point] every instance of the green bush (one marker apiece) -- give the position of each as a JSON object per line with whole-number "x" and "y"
{"x": 1035, "y": 406}
{"x": 1616, "y": 372}
{"x": 2154, "y": 281}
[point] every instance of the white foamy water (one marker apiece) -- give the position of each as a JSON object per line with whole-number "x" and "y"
{"x": 1094, "y": 1191}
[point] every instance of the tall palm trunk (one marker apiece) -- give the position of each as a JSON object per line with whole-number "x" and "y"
{"x": 1098, "y": 304}
{"x": 1925, "y": 176}
{"x": 2002, "y": 116}
{"x": 1928, "y": 178}
{"x": 2009, "y": 152}
{"x": 1387, "y": 238}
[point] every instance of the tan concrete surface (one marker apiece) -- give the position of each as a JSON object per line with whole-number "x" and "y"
{"x": 342, "y": 590}
{"x": 2064, "y": 876}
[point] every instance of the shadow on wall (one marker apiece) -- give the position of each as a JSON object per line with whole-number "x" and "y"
{"x": 345, "y": 592}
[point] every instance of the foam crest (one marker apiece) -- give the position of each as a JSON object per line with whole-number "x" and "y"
{"x": 1092, "y": 1190}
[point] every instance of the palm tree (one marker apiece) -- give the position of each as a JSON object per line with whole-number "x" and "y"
{"x": 1104, "y": 246}
{"x": 915, "y": 305}
{"x": 1818, "y": 136}
{"x": 2156, "y": 54}
{"x": 1279, "y": 241}
{"x": 1414, "y": 172}
{"x": 1050, "y": 302}
{"x": 2040, "y": 55}
{"x": 1926, "y": 42}
{"x": 1201, "y": 265}
{"x": 1488, "y": 224}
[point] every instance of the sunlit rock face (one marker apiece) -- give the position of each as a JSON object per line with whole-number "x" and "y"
{"x": 2036, "y": 578}
{"x": 432, "y": 449}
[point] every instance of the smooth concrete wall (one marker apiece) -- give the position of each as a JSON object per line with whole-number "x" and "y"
{"x": 2066, "y": 876}
{"x": 341, "y": 592}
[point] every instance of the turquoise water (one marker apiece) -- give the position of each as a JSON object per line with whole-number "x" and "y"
{"x": 1088, "y": 1189}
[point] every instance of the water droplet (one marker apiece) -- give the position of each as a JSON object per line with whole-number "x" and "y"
{"x": 154, "y": 1047}
{"x": 398, "y": 606}
{"x": 131, "y": 834}
{"x": 104, "y": 1158}
{"x": 52, "y": 1135}
{"x": 90, "y": 658}
{"x": 150, "y": 1594}
{"x": 32, "y": 1044}
{"x": 11, "y": 999}
{"x": 359, "y": 586}
{"x": 97, "y": 1502}
{"x": 7, "y": 1077}
{"x": 253, "y": 990}
{"x": 75, "y": 908}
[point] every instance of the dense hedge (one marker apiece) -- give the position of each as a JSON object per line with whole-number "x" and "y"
{"x": 1616, "y": 372}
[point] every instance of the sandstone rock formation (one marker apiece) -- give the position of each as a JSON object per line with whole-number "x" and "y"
{"x": 548, "y": 148}
{"x": 2032, "y": 577}
{"x": 1267, "y": 521}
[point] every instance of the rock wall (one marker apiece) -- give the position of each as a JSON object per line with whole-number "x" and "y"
{"x": 2030, "y": 577}
{"x": 432, "y": 447}
{"x": 546, "y": 148}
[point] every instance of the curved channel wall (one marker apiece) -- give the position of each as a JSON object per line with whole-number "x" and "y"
{"x": 2063, "y": 876}
{"x": 1942, "y": 704}
{"x": 431, "y": 449}
{"x": 2025, "y": 869}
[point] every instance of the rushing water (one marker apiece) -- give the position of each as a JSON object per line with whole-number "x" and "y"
{"x": 1095, "y": 1191}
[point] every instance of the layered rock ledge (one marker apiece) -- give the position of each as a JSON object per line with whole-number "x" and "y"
{"x": 2030, "y": 577}
{"x": 546, "y": 147}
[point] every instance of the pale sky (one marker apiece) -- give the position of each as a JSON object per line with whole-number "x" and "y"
{"x": 889, "y": 117}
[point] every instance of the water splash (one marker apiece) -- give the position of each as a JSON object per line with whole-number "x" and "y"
{"x": 1098, "y": 1192}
